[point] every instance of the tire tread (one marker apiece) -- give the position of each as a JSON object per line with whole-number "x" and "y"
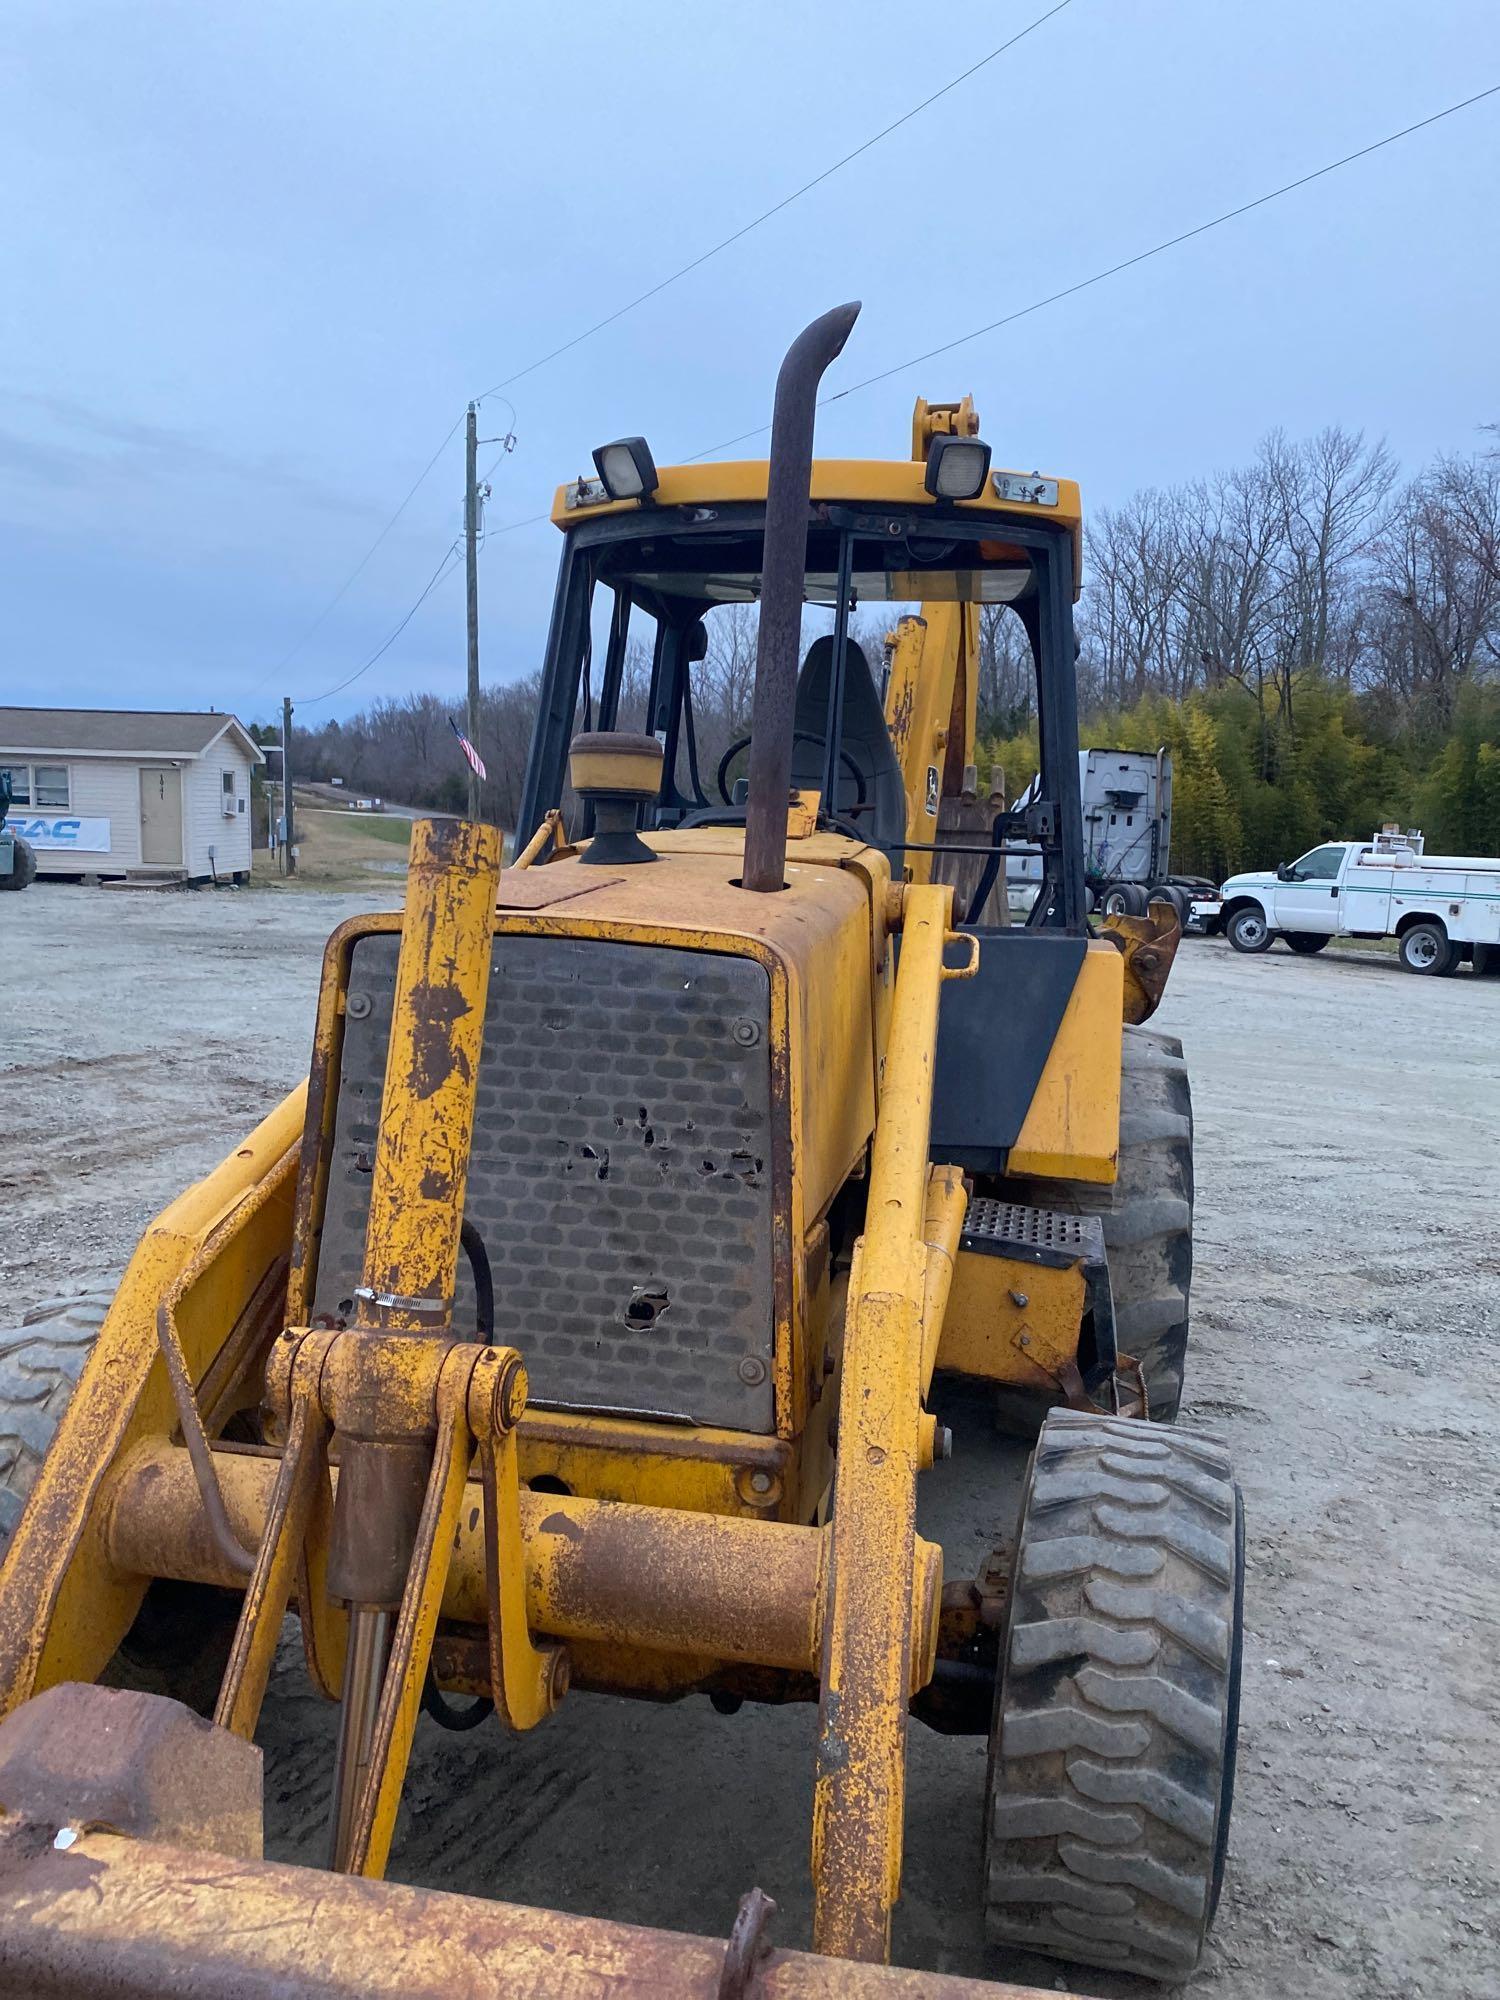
{"x": 1114, "y": 1774}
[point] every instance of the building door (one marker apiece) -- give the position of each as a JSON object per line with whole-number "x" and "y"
{"x": 161, "y": 815}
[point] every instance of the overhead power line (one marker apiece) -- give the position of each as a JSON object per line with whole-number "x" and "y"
{"x": 1113, "y": 270}
{"x": 354, "y": 574}
{"x": 630, "y": 306}
{"x": 444, "y": 568}
{"x": 1009, "y": 319}
{"x": 786, "y": 201}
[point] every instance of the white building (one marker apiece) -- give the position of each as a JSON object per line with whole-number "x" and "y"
{"x": 113, "y": 791}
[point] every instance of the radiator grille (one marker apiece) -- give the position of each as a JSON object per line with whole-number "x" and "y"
{"x": 621, "y": 1171}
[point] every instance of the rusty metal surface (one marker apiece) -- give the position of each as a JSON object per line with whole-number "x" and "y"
{"x": 417, "y": 1174}
{"x": 860, "y": 1787}
{"x": 654, "y": 1578}
{"x": 783, "y": 564}
{"x": 749, "y": 1942}
{"x": 140, "y": 1764}
{"x": 620, "y": 1171}
{"x": 1148, "y": 946}
{"x": 140, "y": 1921}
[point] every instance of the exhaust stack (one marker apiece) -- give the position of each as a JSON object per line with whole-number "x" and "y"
{"x": 788, "y": 488}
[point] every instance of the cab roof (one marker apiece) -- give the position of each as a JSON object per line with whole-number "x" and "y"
{"x": 855, "y": 481}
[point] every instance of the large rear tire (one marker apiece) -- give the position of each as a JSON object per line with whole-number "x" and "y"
{"x": 40, "y": 1363}
{"x": 1112, "y": 1749}
{"x": 1148, "y": 1226}
{"x": 180, "y": 1641}
{"x": 22, "y": 871}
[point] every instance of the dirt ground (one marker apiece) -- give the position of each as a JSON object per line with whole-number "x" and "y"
{"x": 1347, "y": 1317}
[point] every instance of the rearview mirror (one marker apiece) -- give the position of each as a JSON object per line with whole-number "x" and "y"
{"x": 1284, "y": 872}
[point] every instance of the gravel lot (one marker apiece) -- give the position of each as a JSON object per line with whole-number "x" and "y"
{"x": 1345, "y": 1348}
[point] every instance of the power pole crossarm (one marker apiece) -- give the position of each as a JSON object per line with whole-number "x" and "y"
{"x": 471, "y": 552}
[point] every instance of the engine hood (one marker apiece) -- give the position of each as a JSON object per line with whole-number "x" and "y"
{"x": 1248, "y": 885}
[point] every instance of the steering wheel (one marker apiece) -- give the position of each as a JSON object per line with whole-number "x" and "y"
{"x": 798, "y": 736}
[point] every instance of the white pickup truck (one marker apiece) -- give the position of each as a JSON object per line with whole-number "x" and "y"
{"x": 1443, "y": 908}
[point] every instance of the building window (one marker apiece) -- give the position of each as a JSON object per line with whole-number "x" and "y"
{"x": 226, "y": 783}
{"x": 38, "y": 785}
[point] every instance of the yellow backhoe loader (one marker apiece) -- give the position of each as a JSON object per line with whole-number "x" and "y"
{"x": 583, "y": 1322}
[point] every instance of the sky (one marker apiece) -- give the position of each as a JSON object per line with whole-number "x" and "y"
{"x": 256, "y": 257}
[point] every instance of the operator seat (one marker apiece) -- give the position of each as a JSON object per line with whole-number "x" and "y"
{"x": 865, "y": 739}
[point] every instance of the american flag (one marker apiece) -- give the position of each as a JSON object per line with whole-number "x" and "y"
{"x": 468, "y": 749}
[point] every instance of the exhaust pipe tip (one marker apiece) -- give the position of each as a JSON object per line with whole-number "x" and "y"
{"x": 783, "y": 567}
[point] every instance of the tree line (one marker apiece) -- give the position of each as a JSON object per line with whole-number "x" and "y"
{"x": 1314, "y": 637}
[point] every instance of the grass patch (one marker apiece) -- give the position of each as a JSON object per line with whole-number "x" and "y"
{"x": 342, "y": 850}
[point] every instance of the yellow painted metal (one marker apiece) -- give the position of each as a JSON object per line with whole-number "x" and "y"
{"x": 1012, "y": 1322}
{"x": 427, "y": 1108}
{"x": 550, "y": 830}
{"x": 931, "y": 711}
{"x": 526, "y": 1680}
{"x": 304, "y": 1465}
{"x": 636, "y": 1461}
{"x": 930, "y": 420}
{"x": 1071, "y": 1130}
{"x": 860, "y": 1788}
{"x": 62, "y": 1611}
{"x": 862, "y": 481}
{"x": 942, "y": 1225}
{"x": 640, "y": 1579}
{"x": 625, "y": 764}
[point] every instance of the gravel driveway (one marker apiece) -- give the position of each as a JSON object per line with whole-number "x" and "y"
{"x": 1346, "y": 1329}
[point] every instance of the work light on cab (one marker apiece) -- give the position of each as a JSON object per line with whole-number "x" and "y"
{"x": 957, "y": 468}
{"x": 627, "y": 469}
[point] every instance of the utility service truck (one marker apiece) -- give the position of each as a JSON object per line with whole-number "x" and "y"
{"x": 1442, "y": 908}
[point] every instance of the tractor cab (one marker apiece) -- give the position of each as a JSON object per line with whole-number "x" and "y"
{"x": 655, "y": 629}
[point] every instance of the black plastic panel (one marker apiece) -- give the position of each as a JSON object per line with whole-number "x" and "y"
{"x": 995, "y": 1032}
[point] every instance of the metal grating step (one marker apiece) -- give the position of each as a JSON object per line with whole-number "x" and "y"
{"x": 995, "y": 1225}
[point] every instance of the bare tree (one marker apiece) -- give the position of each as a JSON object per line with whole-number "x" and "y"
{"x": 1330, "y": 492}
{"x": 1007, "y": 672}
{"x": 1434, "y": 595}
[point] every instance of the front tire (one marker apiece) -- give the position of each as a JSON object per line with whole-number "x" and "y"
{"x": 23, "y": 866}
{"x": 1426, "y": 949}
{"x": 179, "y": 1644}
{"x": 1248, "y": 930}
{"x": 1112, "y": 1748}
{"x": 1305, "y": 943}
{"x": 40, "y": 1363}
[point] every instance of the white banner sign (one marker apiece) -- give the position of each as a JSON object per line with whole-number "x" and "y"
{"x": 60, "y": 831}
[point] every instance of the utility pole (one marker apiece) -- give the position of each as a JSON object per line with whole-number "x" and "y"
{"x": 471, "y": 548}
{"x": 288, "y": 853}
